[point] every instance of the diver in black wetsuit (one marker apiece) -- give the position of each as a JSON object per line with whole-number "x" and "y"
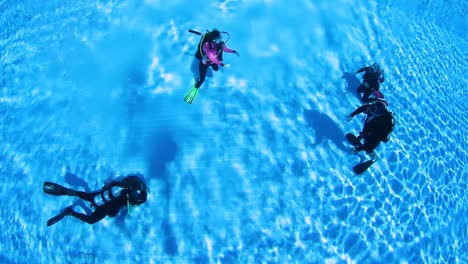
{"x": 378, "y": 125}
{"x": 372, "y": 78}
{"x": 129, "y": 191}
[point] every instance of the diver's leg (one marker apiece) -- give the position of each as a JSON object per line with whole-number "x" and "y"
{"x": 95, "y": 217}
{"x": 60, "y": 216}
{"x": 86, "y": 196}
{"x": 202, "y": 69}
{"x": 369, "y": 145}
{"x": 57, "y": 189}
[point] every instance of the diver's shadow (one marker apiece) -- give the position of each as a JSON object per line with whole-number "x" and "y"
{"x": 136, "y": 100}
{"x": 325, "y": 128}
{"x": 136, "y": 106}
{"x": 162, "y": 150}
{"x": 77, "y": 183}
{"x": 352, "y": 84}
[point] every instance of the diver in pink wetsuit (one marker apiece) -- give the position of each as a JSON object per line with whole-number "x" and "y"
{"x": 210, "y": 53}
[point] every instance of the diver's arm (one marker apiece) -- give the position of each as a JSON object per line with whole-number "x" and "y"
{"x": 228, "y": 50}
{"x": 363, "y": 69}
{"x": 359, "y": 110}
{"x": 356, "y": 112}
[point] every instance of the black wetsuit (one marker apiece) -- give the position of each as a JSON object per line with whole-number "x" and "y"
{"x": 372, "y": 79}
{"x": 109, "y": 208}
{"x": 378, "y": 125}
{"x": 203, "y": 68}
{"x": 106, "y": 202}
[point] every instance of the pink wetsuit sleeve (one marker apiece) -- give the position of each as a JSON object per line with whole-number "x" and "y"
{"x": 226, "y": 49}
{"x": 211, "y": 54}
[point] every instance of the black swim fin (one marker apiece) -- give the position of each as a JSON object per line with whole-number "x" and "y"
{"x": 56, "y": 189}
{"x": 362, "y": 167}
{"x": 59, "y": 217}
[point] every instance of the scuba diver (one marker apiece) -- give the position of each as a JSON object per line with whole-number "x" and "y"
{"x": 372, "y": 78}
{"x": 210, "y": 54}
{"x": 378, "y": 125}
{"x": 129, "y": 191}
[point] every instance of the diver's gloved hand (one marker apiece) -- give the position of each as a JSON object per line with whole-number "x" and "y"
{"x": 225, "y": 65}
{"x": 237, "y": 53}
{"x": 348, "y": 118}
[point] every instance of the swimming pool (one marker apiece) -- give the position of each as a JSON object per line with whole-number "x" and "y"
{"x": 257, "y": 168}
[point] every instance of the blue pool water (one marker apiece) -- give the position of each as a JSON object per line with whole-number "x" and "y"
{"x": 256, "y": 170}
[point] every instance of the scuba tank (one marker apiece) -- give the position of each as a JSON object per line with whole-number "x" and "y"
{"x": 131, "y": 187}
{"x": 107, "y": 195}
